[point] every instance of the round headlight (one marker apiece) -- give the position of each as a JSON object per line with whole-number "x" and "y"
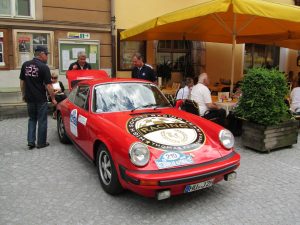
{"x": 226, "y": 138}
{"x": 139, "y": 154}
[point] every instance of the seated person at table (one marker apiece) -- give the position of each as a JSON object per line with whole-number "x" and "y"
{"x": 185, "y": 92}
{"x": 201, "y": 94}
{"x": 295, "y": 99}
{"x": 237, "y": 90}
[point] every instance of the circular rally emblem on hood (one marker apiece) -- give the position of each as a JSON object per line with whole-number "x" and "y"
{"x": 166, "y": 132}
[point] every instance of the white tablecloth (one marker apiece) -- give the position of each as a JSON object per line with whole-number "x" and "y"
{"x": 228, "y": 106}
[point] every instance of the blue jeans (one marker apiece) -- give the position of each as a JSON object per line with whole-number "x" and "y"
{"x": 37, "y": 113}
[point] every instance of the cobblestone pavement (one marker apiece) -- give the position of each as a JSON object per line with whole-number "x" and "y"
{"x": 58, "y": 185}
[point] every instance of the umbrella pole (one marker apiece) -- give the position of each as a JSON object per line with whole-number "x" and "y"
{"x": 233, "y": 53}
{"x": 232, "y": 64}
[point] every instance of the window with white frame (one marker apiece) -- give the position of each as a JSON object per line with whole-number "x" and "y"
{"x": 17, "y": 8}
{"x": 26, "y": 41}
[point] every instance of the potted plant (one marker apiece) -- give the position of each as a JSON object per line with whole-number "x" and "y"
{"x": 267, "y": 122}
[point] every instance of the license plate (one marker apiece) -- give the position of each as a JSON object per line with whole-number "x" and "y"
{"x": 198, "y": 186}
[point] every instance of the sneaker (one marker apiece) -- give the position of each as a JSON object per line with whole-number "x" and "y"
{"x": 43, "y": 146}
{"x": 31, "y": 146}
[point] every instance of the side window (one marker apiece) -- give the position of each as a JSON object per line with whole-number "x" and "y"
{"x": 81, "y": 97}
{"x": 72, "y": 94}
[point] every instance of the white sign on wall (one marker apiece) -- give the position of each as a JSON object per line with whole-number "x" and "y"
{"x": 77, "y": 35}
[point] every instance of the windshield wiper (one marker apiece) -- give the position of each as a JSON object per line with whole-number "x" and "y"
{"x": 145, "y": 106}
{"x": 162, "y": 105}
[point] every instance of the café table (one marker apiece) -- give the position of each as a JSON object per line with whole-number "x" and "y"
{"x": 226, "y": 104}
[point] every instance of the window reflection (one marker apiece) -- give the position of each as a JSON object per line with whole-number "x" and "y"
{"x": 126, "y": 96}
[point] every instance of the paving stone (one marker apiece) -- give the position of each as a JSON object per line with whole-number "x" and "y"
{"x": 57, "y": 185}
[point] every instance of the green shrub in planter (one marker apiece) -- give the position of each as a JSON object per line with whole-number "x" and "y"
{"x": 262, "y": 100}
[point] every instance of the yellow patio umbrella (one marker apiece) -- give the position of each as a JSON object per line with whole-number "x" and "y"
{"x": 225, "y": 21}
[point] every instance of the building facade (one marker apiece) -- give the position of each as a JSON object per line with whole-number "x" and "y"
{"x": 65, "y": 27}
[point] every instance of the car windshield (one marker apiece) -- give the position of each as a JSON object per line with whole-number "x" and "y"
{"x": 115, "y": 97}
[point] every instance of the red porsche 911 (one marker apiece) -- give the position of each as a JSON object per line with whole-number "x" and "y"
{"x": 140, "y": 142}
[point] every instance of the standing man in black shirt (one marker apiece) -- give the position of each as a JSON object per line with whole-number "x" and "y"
{"x": 35, "y": 77}
{"x": 142, "y": 70}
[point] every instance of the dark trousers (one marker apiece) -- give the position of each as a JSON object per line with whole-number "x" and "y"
{"x": 37, "y": 113}
{"x": 234, "y": 124}
{"x": 216, "y": 115}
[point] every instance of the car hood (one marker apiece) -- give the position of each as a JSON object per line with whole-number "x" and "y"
{"x": 170, "y": 131}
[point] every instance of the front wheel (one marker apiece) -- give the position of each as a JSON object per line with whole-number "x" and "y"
{"x": 107, "y": 172}
{"x": 63, "y": 138}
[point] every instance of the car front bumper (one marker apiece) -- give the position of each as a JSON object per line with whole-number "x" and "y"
{"x": 149, "y": 182}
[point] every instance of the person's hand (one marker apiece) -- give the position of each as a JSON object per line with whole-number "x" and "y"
{"x": 74, "y": 67}
{"x": 54, "y": 102}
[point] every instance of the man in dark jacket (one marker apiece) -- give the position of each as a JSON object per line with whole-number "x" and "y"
{"x": 142, "y": 70}
{"x": 81, "y": 63}
{"x": 35, "y": 77}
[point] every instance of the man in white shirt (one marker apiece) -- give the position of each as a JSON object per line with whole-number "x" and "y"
{"x": 201, "y": 94}
{"x": 185, "y": 92}
{"x": 295, "y": 99}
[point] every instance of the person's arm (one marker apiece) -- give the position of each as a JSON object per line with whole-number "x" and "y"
{"x": 152, "y": 75}
{"x": 208, "y": 100}
{"x": 73, "y": 66}
{"x": 51, "y": 93}
{"x": 212, "y": 105}
{"x": 179, "y": 94}
{"x": 89, "y": 66}
{"x": 62, "y": 87}
{"x": 22, "y": 86}
{"x": 22, "y": 82}
{"x": 45, "y": 71}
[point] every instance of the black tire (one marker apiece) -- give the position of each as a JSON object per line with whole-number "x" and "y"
{"x": 63, "y": 138}
{"x": 107, "y": 172}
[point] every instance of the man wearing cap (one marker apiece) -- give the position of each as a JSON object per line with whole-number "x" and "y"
{"x": 35, "y": 78}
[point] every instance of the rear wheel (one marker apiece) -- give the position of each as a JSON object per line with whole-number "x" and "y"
{"x": 61, "y": 130}
{"x": 107, "y": 172}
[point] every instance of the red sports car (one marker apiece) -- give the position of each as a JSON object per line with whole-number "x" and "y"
{"x": 139, "y": 142}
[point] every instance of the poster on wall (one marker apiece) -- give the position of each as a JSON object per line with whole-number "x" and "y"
{"x": 24, "y": 43}
{"x": 39, "y": 39}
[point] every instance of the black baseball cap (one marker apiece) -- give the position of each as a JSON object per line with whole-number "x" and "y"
{"x": 41, "y": 48}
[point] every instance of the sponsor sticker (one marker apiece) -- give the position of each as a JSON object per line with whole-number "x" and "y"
{"x": 173, "y": 159}
{"x": 166, "y": 132}
{"x": 73, "y": 122}
{"x": 82, "y": 120}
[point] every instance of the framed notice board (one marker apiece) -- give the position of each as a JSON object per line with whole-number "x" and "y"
{"x": 68, "y": 50}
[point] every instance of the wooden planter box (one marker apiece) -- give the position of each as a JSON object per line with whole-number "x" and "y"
{"x": 267, "y": 138}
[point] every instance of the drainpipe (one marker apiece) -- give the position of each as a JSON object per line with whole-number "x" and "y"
{"x": 113, "y": 38}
